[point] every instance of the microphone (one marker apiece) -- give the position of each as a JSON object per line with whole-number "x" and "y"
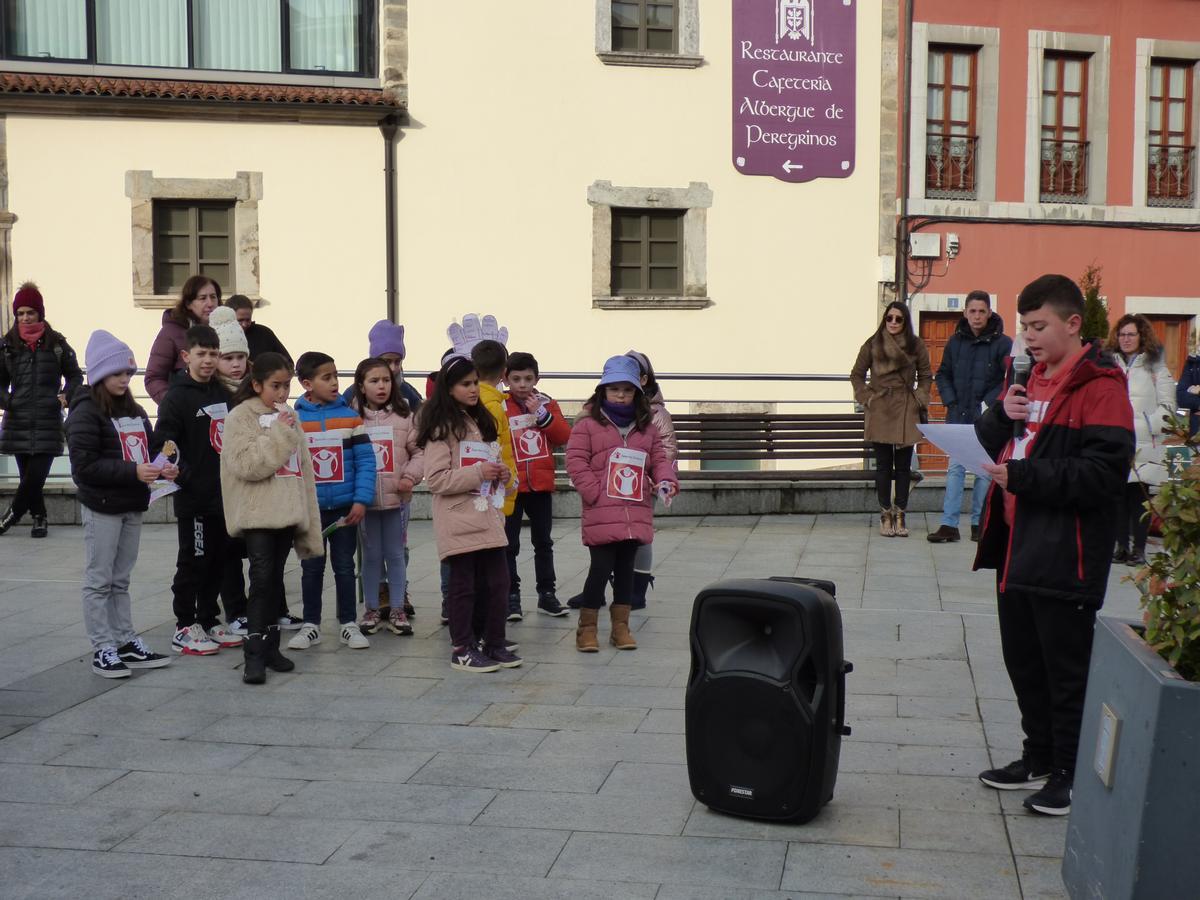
{"x": 1022, "y": 365}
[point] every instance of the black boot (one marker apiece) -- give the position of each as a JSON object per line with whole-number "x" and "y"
{"x": 642, "y": 582}
{"x": 575, "y": 602}
{"x": 40, "y": 529}
{"x": 254, "y": 657}
{"x": 7, "y": 521}
{"x": 275, "y": 660}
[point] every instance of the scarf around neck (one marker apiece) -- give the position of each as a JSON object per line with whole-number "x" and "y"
{"x": 31, "y": 333}
{"x": 622, "y": 414}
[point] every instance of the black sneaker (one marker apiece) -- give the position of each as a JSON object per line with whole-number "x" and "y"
{"x": 1055, "y": 798}
{"x": 107, "y": 664}
{"x": 1016, "y": 776}
{"x": 288, "y": 622}
{"x": 548, "y": 604}
{"x": 975, "y": 533}
{"x": 445, "y": 613}
{"x": 408, "y": 607}
{"x": 514, "y": 608}
{"x": 136, "y": 655}
{"x": 1121, "y": 554}
{"x": 40, "y": 528}
{"x": 506, "y": 658}
{"x": 575, "y": 602}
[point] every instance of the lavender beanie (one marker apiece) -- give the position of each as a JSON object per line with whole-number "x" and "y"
{"x": 107, "y": 355}
{"x": 386, "y": 337}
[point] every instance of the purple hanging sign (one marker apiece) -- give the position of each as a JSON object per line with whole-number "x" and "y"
{"x": 794, "y": 88}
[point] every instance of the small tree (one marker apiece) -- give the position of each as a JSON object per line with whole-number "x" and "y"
{"x": 1095, "y": 313}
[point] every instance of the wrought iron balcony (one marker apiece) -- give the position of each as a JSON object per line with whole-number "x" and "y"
{"x": 1064, "y": 171}
{"x": 1170, "y": 179}
{"x": 950, "y": 166}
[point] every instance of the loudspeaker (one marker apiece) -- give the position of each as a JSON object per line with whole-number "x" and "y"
{"x": 765, "y": 707}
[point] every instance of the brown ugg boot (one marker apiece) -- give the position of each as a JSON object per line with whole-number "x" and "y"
{"x": 899, "y": 526}
{"x": 621, "y": 637}
{"x": 887, "y": 525}
{"x": 585, "y": 633}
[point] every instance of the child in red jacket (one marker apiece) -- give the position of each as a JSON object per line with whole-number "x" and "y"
{"x": 537, "y": 426}
{"x": 616, "y": 460}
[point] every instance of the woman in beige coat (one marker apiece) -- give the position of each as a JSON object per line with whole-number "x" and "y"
{"x": 896, "y": 398}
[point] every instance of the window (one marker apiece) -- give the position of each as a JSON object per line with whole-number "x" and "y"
{"x": 647, "y": 25}
{"x": 1064, "y": 128}
{"x": 647, "y": 251}
{"x": 950, "y": 129}
{"x": 662, "y": 33}
{"x": 1171, "y": 154}
{"x": 191, "y": 238}
{"x": 292, "y": 36}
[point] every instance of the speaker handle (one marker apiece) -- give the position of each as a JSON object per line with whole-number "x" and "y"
{"x": 846, "y": 669}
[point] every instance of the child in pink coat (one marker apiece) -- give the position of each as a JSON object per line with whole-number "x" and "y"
{"x": 618, "y": 464}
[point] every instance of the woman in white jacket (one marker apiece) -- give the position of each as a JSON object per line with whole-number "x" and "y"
{"x": 1152, "y": 396}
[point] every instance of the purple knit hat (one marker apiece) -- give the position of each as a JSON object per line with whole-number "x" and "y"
{"x": 107, "y": 355}
{"x": 386, "y": 337}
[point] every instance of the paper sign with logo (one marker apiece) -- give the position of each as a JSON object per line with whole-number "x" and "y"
{"x": 383, "y": 442}
{"x": 216, "y": 413}
{"x": 131, "y": 432}
{"x": 627, "y": 474}
{"x": 528, "y": 442}
{"x": 291, "y": 468}
{"x": 162, "y": 487}
{"x": 326, "y": 451}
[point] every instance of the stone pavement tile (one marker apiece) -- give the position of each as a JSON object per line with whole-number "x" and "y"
{"x": 570, "y": 718}
{"x": 866, "y": 757}
{"x": 589, "y": 812}
{"x": 513, "y": 773}
{"x": 925, "y": 829}
{"x": 241, "y": 837}
{"x": 1036, "y": 835}
{"x": 693, "y": 892}
{"x": 135, "y": 697}
{"x": 150, "y": 755}
{"x": 363, "y": 686}
{"x": 35, "y": 746}
{"x": 69, "y": 827}
{"x": 962, "y": 709}
{"x": 281, "y": 732}
{"x": 564, "y": 673}
{"x": 447, "y": 886}
{"x": 953, "y": 794}
{"x": 93, "y": 718}
{"x": 383, "y": 710}
{"x": 453, "y": 848}
{"x": 412, "y": 666}
{"x": 456, "y": 738}
{"x": 1041, "y": 878}
{"x": 224, "y": 793}
{"x": 711, "y": 862}
{"x": 242, "y": 701}
{"x": 639, "y": 747}
{"x": 910, "y": 873}
{"x": 832, "y": 825}
{"x": 999, "y": 712}
{"x": 397, "y": 803}
{"x": 871, "y": 674}
{"x": 659, "y": 657}
{"x": 14, "y": 702}
{"x": 901, "y": 599}
{"x": 317, "y": 662}
{"x": 498, "y": 692}
{"x": 25, "y": 783}
{"x": 661, "y": 721}
{"x": 894, "y": 582}
{"x": 924, "y": 732}
{"x": 934, "y": 678}
{"x": 864, "y": 706}
{"x": 637, "y": 779}
{"x": 328, "y": 764}
{"x": 623, "y": 695}
{"x": 964, "y": 761}
{"x": 16, "y": 723}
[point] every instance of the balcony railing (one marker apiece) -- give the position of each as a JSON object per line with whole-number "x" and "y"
{"x": 1064, "y": 171}
{"x": 1170, "y": 179}
{"x": 950, "y": 166}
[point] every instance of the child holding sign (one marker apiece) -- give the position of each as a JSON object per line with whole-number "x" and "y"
{"x": 399, "y": 463}
{"x": 617, "y": 462}
{"x": 464, "y": 470}
{"x": 108, "y": 441}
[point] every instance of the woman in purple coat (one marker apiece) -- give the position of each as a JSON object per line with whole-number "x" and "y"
{"x": 199, "y": 297}
{"x": 617, "y": 462}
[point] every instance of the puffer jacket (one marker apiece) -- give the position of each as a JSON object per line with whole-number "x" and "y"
{"x": 972, "y": 369}
{"x": 106, "y": 480}
{"x": 394, "y": 440}
{"x": 492, "y": 398}
{"x": 165, "y": 359}
{"x": 553, "y": 431}
{"x": 1152, "y": 396}
{"x": 666, "y": 426}
{"x": 192, "y": 414}
{"x": 30, "y": 382}
{"x": 267, "y": 478}
{"x": 1184, "y": 398}
{"x": 459, "y": 525}
{"x": 346, "y": 474}
{"x": 608, "y": 519}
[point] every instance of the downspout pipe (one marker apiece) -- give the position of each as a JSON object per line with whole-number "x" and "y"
{"x": 905, "y": 110}
{"x": 389, "y": 127}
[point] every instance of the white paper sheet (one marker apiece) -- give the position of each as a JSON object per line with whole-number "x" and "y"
{"x": 960, "y": 443}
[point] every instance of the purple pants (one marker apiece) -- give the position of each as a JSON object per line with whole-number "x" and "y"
{"x": 490, "y": 569}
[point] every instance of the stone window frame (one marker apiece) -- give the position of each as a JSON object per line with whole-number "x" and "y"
{"x": 694, "y": 200}
{"x": 245, "y": 190}
{"x": 1148, "y": 50}
{"x": 687, "y": 33}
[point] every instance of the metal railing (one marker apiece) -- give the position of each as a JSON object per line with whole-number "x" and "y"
{"x": 1064, "y": 171}
{"x": 950, "y": 166}
{"x": 1170, "y": 176}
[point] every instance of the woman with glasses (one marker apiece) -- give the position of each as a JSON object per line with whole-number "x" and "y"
{"x": 891, "y": 380}
{"x": 1152, "y": 396}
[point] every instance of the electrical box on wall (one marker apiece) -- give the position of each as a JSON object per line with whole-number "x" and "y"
{"x": 925, "y": 245}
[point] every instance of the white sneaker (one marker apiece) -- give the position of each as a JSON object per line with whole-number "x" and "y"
{"x": 192, "y": 641}
{"x": 353, "y": 637}
{"x": 308, "y": 635}
{"x": 224, "y": 637}
{"x": 240, "y": 626}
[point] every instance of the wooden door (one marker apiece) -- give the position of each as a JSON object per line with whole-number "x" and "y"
{"x": 936, "y": 329}
{"x": 1173, "y": 333}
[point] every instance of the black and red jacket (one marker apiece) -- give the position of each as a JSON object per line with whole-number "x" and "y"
{"x": 1060, "y": 545}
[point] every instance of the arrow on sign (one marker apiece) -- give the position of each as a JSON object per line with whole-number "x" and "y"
{"x": 788, "y": 165}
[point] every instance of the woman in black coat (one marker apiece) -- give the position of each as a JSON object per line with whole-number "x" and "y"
{"x": 38, "y": 373}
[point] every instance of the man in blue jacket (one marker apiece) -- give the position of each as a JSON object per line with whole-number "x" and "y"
{"x": 968, "y": 381}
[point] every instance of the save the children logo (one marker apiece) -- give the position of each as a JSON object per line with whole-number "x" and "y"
{"x": 793, "y": 20}
{"x": 134, "y": 446}
{"x": 383, "y": 442}
{"x": 216, "y": 424}
{"x": 528, "y": 442}
{"x": 326, "y": 451}
{"x": 626, "y": 474}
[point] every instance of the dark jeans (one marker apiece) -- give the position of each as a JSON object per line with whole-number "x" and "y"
{"x": 892, "y": 464}
{"x": 1132, "y": 517}
{"x": 33, "y": 469}
{"x": 199, "y": 569}
{"x": 615, "y": 560}
{"x": 340, "y": 548}
{"x": 268, "y": 550}
{"x": 536, "y": 505}
{"x": 490, "y": 569}
{"x": 1047, "y": 647}
{"x": 233, "y": 586}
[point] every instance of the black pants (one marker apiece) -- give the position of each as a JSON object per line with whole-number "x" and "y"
{"x": 199, "y": 569}
{"x": 1132, "y": 517}
{"x": 892, "y": 464}
{"x": 268, "y": 551}
{"x": 536, "y": 505}
{"x": 1047, "y": 648}
{"x": 468, "y": 572}
{"x": 615, "y": 560}
{"x": 33, "y": 469}
{"x": 233, "y": 585}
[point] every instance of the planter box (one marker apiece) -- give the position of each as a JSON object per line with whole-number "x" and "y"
{"x": 1134, "y": 837}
